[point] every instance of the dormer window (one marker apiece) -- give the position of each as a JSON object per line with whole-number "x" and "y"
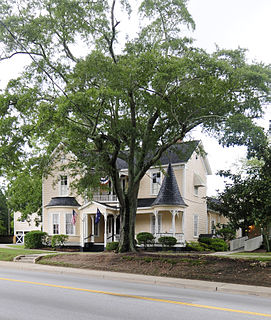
{"x": 63, "y": 185}
{"x": 156, "y": 182}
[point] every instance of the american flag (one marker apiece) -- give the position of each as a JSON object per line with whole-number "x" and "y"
{"x": 74, "y": 216}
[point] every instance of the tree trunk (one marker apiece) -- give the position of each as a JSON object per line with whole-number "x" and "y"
{"x": 127, "y": 223}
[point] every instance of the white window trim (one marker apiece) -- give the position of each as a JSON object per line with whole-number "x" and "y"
{"x": 151, "y": 183}
{"x": 60, "y": 188}
{"x": 52, "y": 223}
{"x": 73, "y": 226}
{"x": 195, "y": 234}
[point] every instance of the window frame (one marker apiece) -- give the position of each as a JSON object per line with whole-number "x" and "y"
{"x": 55, "y": 224}
{"x": 195, "y": 225}
{"x": 69, "y": 223}
{"x": 63, "y": 188}
{"x": 155, "y": 186}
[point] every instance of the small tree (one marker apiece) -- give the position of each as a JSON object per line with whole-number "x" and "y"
{"x": 167, "y": 242}
{"x": 145, "y": 238}
{"x": 226, "y": 231}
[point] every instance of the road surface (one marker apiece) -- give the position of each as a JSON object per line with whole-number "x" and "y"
{"x": 27, "y": 295}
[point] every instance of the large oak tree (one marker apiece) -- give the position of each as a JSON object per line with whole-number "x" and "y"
{"x": 109, "y": 99}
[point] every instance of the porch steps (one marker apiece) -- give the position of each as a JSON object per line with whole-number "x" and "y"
{"x": 30, "y": 258}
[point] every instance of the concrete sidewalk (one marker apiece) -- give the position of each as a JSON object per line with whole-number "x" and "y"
{"x": 163, "y": 281}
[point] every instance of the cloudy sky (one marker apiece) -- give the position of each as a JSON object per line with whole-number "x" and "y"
{"x": 229, "y": 24}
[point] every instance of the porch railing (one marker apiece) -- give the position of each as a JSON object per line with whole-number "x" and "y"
{"x": 178, "y": 236}
{"x": 105, "y": 197}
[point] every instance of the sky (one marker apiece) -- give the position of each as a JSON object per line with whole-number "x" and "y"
{"x": 229, "y": 24}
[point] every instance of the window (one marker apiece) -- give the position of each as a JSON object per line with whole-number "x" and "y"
{"x": 159, "y": 229}
{"x": 55, "y": 220}
{"x": 196, "y": 226}
{"x": 63, "y": 185}
{"x": 156, "y": 182}
{"x": 213, "y": 229}
{"x": 196, "y": 190}
{"x": 70, "y": 228}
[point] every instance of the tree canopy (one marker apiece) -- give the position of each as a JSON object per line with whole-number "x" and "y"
{"x": 106, "y": 98}
{"x": 246, "y": 198}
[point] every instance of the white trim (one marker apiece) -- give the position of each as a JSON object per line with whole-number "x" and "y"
{"x": 98, "y": 204}
{"x": 195, "y": 234}
{"x": 52, "y": 227}
{"x": 65, "y": 224}
{"x": 157, "y": 184}
{"x": 60, "y": 185}
{"x": 159, "y": 217}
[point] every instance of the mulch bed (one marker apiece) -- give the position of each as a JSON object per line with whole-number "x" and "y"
{"x": 200, "y": 267}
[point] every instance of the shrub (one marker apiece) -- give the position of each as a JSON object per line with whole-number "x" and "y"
{"x": 35, "y": 239}
{"x": 112, "y": 246}
{"x": 167, "y": 241}
{"x": 216, "y": 244}
{"x": 195, "y": 246}
{"x": 145, "y": 238}
{"x": 58, "y": 240}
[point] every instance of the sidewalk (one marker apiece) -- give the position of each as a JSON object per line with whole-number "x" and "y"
{"x": 159, "y": 281}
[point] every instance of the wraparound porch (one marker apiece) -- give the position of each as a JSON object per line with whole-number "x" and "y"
{"x": 159, "y": 223}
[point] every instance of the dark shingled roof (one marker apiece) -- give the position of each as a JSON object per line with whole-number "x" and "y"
{"x": 145, "y": 202}
{"x": 63, "y": 202}
{"x": 178, "y": 153}
{"x": 169, "y": 193}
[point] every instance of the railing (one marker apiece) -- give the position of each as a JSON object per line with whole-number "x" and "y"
{"x": 116, "y": 237}
{"x": 238, "y": 243}
{"x": 105, "y": 197}
{"x": 178, "y": 236}
{"x": 253, "y": 244}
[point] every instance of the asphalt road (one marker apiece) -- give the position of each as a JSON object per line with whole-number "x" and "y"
{"x": 42, "y": 295}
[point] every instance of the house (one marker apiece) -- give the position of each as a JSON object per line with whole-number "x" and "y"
{"x": 171, "y": 201}
{"x": 22, "y": 226}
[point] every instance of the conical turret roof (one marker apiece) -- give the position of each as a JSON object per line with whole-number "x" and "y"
{"x": 169, "y": 193}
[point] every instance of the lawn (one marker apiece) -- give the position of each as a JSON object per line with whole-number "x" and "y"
{"x": 10, "y": 254}
{"x": 252, "y": 271}
{"x": 260, "y": 256}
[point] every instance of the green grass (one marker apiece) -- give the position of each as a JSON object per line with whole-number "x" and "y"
{"x": 260, "y": 256}
{"x": 10, "y": 254}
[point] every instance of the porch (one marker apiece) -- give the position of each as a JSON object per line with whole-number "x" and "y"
{"x": 105, "y": 229}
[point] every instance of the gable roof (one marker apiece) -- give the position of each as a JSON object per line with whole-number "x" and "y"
{"x": 178, "y": 153}
{"x": 169, "y": 193}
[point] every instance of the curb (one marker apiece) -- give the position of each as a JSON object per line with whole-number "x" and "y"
{"x": 136, "y": 278}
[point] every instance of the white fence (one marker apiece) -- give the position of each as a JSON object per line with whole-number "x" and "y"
{"x": 246, "y": 244}
{"x": 238, "y": 243}
{"x": 253, "y": 244}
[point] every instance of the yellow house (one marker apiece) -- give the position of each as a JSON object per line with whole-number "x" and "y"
{"x": 171, "y": 201}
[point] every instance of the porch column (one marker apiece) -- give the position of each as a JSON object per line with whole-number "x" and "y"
{"x": 105, "y": 229}
{"x": 82, "y": 233}
{"x": 173, "y": 212}
{"x": 92, "y": 227}
{"x": 86, "y": 239}
{"x": 115, "y": 227}
{"x": 155, "y": 222}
